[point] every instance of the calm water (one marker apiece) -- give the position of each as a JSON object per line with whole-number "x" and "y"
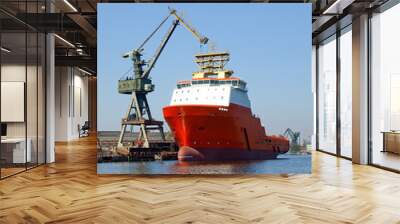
{"x": 284, "y": 164}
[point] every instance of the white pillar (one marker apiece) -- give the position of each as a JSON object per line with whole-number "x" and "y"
{"x": 360, "y": 90}
{"x": 50, "y": 100}
{"x": 50, "y": 92}
{"x": 314, "y": 93}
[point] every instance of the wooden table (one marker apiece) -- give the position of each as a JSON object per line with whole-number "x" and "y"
{"x": 391, "y": 141}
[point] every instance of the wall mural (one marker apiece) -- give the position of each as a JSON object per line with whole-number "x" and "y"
{"x": 209, "y": 96}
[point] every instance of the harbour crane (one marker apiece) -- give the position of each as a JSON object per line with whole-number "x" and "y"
{"x": 140, "y": 84}
{"x": 293, "y": 136}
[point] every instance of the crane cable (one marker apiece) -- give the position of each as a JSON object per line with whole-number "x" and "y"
{"x": 152, "y": 34}
{"x": 124, "y": 76}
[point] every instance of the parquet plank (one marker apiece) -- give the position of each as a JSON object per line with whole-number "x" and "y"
{"x": 70, "y": 191}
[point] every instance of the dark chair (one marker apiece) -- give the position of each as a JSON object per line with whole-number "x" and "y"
{"x": 84, "y": 130}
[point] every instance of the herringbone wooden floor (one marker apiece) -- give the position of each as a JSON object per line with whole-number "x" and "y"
{"x": 70, "y": 191}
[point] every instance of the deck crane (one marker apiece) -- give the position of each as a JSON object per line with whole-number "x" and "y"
{"x": 139, "y": 85}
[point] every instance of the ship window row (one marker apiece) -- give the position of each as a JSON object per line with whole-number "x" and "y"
{"x": 198, "y": 90}
{"x": 237, "y": 83}
{"x": 196, "y": 98}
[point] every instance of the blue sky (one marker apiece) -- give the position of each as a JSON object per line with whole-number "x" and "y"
{"x": 270, "y": 47}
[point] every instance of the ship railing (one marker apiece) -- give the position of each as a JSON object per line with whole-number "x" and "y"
{"x": 235, "y": 83}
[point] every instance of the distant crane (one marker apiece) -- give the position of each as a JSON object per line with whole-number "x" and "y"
{"x": 293, "y": 136}
{"x": 139, "y": 85}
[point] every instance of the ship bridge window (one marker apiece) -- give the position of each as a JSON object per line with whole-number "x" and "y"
{"x": 183, "y": 85}
{"x": 242, "y": 84}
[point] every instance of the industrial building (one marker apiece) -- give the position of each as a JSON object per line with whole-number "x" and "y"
{"x": 49, "y": 99}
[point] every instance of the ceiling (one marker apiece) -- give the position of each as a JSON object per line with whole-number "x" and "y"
{"x": 74, "y": 22}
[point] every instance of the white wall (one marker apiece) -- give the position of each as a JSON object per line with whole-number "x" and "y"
{"x": 71, "y": 102}
{"x": 33, "y": 125}
{"x": 16, "y": 73}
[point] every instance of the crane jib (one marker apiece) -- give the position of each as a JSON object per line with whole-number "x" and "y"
{"x": 160, "y": 49}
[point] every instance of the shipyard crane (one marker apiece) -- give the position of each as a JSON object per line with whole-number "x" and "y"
{"x": 293, "y": 136}
{"x": 139, "y": 85}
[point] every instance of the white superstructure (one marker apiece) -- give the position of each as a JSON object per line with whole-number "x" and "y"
{"x": 214, "y": 92}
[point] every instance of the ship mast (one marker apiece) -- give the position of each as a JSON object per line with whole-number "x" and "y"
{"x": 211, "y": 65}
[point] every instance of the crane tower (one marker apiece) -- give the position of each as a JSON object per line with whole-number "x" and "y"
{"x": 140, "y": 84}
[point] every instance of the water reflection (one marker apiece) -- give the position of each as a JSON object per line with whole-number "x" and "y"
{"x": 284, "y": 164}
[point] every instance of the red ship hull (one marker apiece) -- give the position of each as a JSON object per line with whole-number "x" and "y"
{"x": 221, "y": 133}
